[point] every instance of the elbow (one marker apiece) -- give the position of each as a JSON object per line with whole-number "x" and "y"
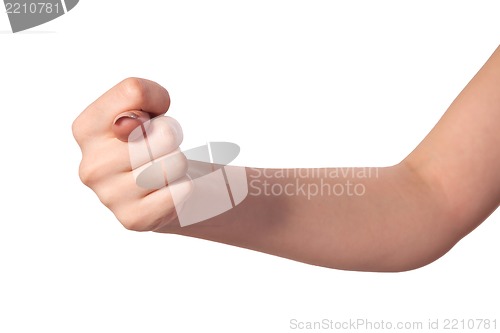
{"x": 419, "y": 247}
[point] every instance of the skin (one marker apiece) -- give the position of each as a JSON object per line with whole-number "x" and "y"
{"x": 409, "y": 215}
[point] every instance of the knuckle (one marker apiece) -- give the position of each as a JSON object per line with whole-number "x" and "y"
{"x": 131, "y": 220}
{"x": 92, "y": 170}
{"x": 82, "y": 126}
{"x": 108, "y": 197}
{"x": 133, "y": 89}
{"x": 87, "y": 173}
{"x": 76, "y": 129}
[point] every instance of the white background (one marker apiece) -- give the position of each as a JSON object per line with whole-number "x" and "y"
{"x": 295, "y": 84}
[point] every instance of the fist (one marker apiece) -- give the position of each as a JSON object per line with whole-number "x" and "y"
{"x": 120, "y": 143}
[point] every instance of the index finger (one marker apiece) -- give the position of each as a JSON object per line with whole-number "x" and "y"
{"x": 132, "y": 94}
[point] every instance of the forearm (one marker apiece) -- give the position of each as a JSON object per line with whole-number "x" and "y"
{"x": 373, "y": 219}
{"x": 409, "y": 215}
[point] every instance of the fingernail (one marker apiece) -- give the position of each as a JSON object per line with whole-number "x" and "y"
{"x": 130, "y": 115}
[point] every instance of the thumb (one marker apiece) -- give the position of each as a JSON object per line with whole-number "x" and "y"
{"x": 126, "y": 122}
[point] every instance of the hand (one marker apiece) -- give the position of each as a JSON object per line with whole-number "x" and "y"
{"x": 102, "y": 132}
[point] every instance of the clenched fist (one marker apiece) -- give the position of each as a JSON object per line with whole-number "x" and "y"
{"x": 103, "y": 132}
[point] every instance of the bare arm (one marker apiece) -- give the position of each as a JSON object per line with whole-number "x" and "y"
{"x": 402, "y": 217}
{"x": 409, "y": 215}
